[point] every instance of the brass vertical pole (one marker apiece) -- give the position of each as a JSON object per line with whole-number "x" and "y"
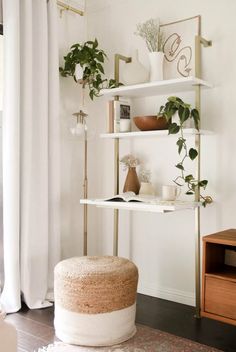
{"x": 116, "y": 190}
{"x": 81, "y": 118}
{"x": 198, "y": 41}
{"x": 197, "y": 176}
{"x": 85, "y": 252}
{"x": 118, "y": 57}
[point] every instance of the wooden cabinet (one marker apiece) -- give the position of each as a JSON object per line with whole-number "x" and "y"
{"x": 219, "y": 276}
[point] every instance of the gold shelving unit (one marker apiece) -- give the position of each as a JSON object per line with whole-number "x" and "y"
{"x": 199, "y": 42}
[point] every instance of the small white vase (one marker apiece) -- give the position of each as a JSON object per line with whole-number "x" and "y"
{"x": 156, "y": 59}
{"x": 147, "y": 189}
{"x": 134, "y": 72}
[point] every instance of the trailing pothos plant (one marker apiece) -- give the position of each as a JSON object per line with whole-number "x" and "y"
{"x": 91, "y": 60}
{"x": 185, "y": 112}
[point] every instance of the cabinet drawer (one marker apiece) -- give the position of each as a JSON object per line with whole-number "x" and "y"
{"x": 220, "y": 297}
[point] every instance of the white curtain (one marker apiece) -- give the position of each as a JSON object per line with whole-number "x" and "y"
{"x": 31, "y": 170}
{"x": 1, "y": 21}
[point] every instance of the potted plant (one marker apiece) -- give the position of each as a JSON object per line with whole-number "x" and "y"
{"x": 176, "y": 105}
{"x": 154, "y": 39}
{"x": 84, "y": 62}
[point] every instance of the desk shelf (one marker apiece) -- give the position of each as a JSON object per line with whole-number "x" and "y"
{"x": 158, "y": 207}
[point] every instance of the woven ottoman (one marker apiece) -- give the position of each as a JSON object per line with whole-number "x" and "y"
{"x": 95, "y": 300}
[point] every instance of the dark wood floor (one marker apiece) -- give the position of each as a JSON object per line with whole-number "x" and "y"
{"x": 35, "y": 327}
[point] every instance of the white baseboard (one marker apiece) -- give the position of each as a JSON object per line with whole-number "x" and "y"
{"x": 167, "y": 293}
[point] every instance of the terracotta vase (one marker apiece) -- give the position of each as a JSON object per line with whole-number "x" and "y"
{"x": 132, "y": 182}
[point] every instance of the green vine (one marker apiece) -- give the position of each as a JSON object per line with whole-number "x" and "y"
{"x": 185, "y": 112}
{"x": 91, "y": 60}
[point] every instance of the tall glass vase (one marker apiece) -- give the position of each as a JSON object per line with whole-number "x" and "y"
{"x": 132, "y": 182}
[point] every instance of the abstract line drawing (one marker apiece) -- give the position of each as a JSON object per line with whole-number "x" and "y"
{"x": 173, "y": 52}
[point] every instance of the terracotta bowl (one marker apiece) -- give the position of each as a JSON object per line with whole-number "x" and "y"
{"x": 148, "y": 123}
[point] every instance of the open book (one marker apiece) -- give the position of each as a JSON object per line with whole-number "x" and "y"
{"x": 132, "y": 197}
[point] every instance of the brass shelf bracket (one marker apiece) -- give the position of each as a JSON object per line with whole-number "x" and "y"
{"x": 119, "y": 58}
{"x": 205, "y": 42}
{"x": 198, "y": 42}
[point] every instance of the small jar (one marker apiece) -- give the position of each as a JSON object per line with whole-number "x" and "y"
{"x": 147, "y": 188}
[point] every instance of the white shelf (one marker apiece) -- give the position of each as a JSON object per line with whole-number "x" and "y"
{"x": 156, "y": 133}
{"x": 158, "y": 207}
{"x": 169, "y": 86}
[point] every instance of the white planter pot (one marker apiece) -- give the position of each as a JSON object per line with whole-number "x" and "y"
{"x": 156, "y": 60}
{"x": 78, "y": 73}
{"x": 134, "y": 72}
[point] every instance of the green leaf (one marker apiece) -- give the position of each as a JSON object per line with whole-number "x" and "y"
{"x": 95, "y": 44}
{"x": 179, "y": 166}
{"x": 100, "y": 57}
{"x": 189, "y": 193}
{"x": 183, "y": 114}
{"x": 173, "y": 128}
{"x": 192, "y": 153}
{"x": 180, "y": 143}
{"x": 75, "y": 46}
{"x": 196, "y": 118}
{"x": 179, "y": 100}
{"x": 188, "y": 178}
{"x": 203, "y": 183}
{"x": 204, "y": 204}
{"x": 91, "y": 94}
{"x": 173, "y": 99}
{"x": 99, "y": 66}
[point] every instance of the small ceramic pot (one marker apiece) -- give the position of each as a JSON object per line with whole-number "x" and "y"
{"x": 147, "y": 189}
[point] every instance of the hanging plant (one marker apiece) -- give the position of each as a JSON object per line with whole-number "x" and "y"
{"x": 91, "y": 60}
{"x": 185, "y": 112}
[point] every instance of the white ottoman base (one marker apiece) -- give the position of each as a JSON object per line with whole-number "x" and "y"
{"x": 103, "y": 329}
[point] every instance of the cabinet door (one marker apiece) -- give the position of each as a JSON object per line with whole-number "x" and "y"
{"x": 220, "y": 297}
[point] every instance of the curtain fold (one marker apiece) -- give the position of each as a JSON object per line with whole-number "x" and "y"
{"x": 31, "y": 152}
{"x": 1, "y": 16}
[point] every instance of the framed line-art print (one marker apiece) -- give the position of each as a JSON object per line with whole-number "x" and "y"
{"x": 179, "y": 47}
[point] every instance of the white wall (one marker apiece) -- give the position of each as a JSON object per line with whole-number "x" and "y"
{"x": 72, "y": 29}
{"x": 163, "y": 245}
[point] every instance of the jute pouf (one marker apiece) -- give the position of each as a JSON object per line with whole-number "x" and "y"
{"x": 95, "y": 300}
